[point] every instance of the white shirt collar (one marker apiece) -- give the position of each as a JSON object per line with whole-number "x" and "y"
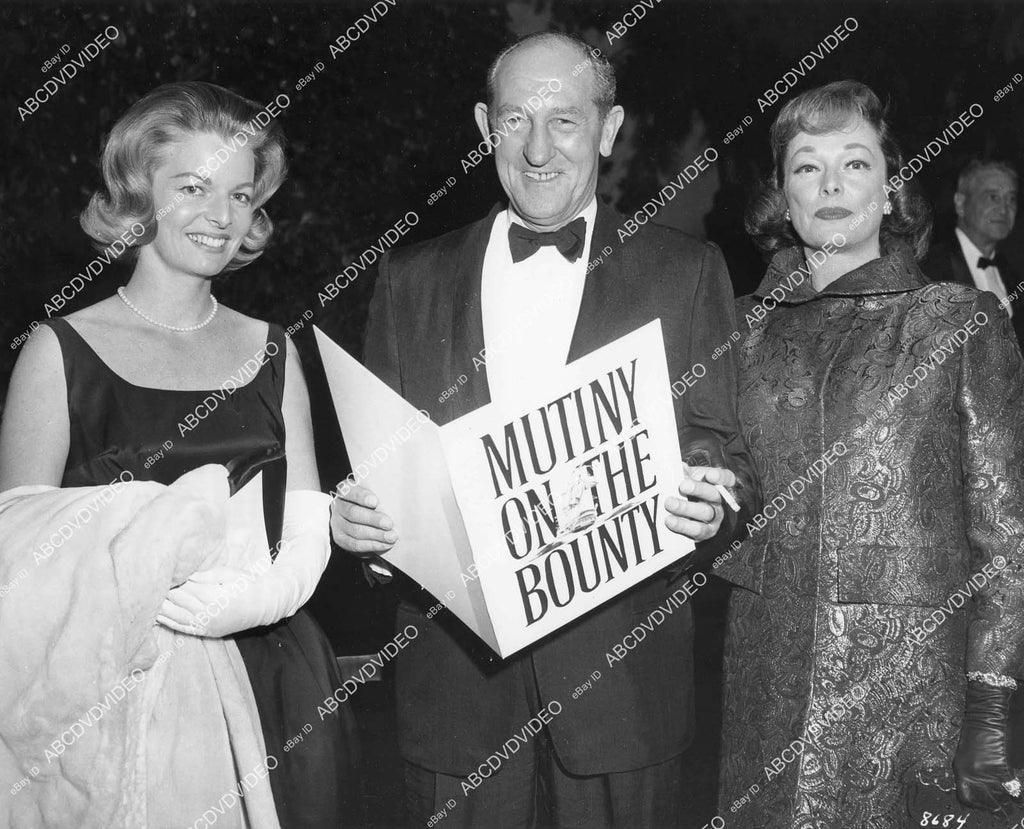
{"x": 971, "y": 251}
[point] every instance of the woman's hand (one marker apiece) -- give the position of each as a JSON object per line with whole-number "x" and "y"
{"x": 215, "y": 602}
{"x": 356, "y": 524}
{"x": 984, "y": 777}
{"x": 699, "y": 513}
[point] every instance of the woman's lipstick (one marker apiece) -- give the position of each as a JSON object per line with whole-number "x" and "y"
{"x": 830, "y": 213}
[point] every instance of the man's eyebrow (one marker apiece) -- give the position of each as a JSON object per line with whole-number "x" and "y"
{"x": 510, "y": 109}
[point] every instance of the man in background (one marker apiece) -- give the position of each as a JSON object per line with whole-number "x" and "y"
{"x": 986, "y": 207}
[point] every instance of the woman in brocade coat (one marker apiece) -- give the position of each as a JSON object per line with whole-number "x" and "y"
{"x": 886, "y": 418}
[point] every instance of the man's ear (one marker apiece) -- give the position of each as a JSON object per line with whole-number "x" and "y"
{"x": 958, "y": 204}
{"x": 610, "y": 128}
{"x": 480, "y": 114}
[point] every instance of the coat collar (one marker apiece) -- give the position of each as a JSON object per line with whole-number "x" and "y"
{"x": 467, "y": 335}
{"x": 602, "y": 283}
{"x": 895, "y": 272}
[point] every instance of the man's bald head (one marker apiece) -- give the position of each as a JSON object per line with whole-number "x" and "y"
{"x": 603, "y": 76}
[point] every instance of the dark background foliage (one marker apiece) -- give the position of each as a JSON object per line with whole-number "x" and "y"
{"x": 388, "y": 120}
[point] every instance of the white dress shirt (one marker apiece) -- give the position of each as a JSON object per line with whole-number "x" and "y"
{"x": 529, "y": 308}
{"x": 985, "y": 279}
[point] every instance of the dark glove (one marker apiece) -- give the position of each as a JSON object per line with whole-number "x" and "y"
{"x": 982, "y": 762}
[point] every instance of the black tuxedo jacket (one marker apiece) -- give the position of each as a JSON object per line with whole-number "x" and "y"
{"x": 455, "y": 696}
{"x": 945, "y": 262}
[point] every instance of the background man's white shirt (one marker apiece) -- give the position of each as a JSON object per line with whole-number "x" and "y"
{"x": 529, "y": 308}
{"x": 985, "y": 279}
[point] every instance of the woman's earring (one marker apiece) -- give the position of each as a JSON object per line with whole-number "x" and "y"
{"x": 887, "y": 208}
{"x": 788, "y": 219}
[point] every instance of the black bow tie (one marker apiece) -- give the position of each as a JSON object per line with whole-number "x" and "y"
{"x": 524, "y": 242}
{"x": 997, "y": 261}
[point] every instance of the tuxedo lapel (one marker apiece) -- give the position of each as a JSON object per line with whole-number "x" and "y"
{"x": 467, "y": 335}
{"x": 1011, "y": 276}
{"x": 602, "y": 303}
{"x": 1015, "y": 289}
{"x": 961, "y": 272}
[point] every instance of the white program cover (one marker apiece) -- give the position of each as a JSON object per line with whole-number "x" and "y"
{"x": 521, "y": 517}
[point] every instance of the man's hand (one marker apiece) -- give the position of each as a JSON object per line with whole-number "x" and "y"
{"x": 356, "y": 524}
{"x": 699, "y": 513}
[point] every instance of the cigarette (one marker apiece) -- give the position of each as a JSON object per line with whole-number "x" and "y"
{"x": 726, "y": 495}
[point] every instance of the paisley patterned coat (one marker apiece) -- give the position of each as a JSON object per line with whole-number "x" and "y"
{"x": 885, "y": 416}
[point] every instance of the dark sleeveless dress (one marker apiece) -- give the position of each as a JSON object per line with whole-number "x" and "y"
{"x": 116, "y": 427}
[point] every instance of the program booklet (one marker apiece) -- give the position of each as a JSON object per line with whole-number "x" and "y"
{"x": 521, "y": 517}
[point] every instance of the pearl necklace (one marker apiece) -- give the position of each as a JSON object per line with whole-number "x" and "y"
{"x": 151, "y": 321}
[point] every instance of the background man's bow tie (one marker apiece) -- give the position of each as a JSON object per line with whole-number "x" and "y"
{"x": 524, "y": 242}
{"x": 998, "y": 260}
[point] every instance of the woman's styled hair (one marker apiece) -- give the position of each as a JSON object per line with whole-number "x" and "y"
{"x": 136, "y": 147}
{"x": 829, "y": 108}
